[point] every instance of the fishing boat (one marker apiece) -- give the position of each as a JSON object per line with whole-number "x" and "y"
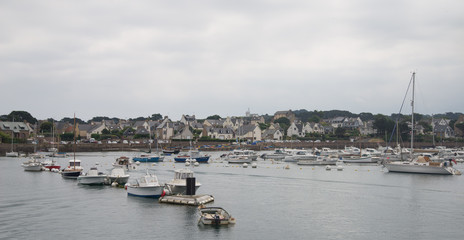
{"x": 419, "y": 164}
{"x": 32, "y": 165}
{"x": 178, "y": 185}
{"x": 145, "y": 186}
{"x": 92, "y": 177}
{"x": 363, "y": 158}
{"x": 119, "y": 176}
{"x": 278, "y": 154}
{"x": 194, "y": 155}
{"x": 215, "y": 216}
{"x": 73, "y": 170}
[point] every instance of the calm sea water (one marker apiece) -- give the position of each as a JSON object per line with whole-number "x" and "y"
{"x": 269, "y": 202}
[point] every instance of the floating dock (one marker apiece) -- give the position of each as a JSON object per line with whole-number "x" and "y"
{"x": 193, "y": 200}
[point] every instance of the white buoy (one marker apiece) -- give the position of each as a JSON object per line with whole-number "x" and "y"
{"x": 196, "y": 164}
{"x": 245, "y": 165}
{"x": 138, "y": 163}
{"x": 328, "y": 168}
{"x": 97, "y": 163}
{"x": 287, "y": 167}
{"x": 153, "y": 164}
{"x": 114, "y": 184}
{"x": 254, "y": 165}
{"x": 339, "y": 168}
{"x": 187, "y": 164}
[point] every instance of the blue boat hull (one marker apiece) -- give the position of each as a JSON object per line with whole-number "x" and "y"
{"x": 198, "y": 159}
{"x": 150, "y": 159}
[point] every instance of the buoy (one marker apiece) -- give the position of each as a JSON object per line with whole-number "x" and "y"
{"x": 245, "y": 165}
{"x": 254, "y": 165}
{"x": 97, "y": 163}
{"x": 196, "y": 164}
{"x": 138, "y": 163}
{"x": 328, "y": 168}
{"x": 153, "y": 164}
{"x": 125, "y": 186}
{"x": 339, "y": 168}
{"x": 114, "y": 184}
{"x": 187, "y": 164}
{"x": 287, "y": 167}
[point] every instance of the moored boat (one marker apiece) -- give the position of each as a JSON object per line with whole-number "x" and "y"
{"x": 148, "y": 158}
{"x": 73, "y": 170}
{"x": 215, "y": 216}
{"x": 145, "y": 186}
{"x": 178, "y": 185}
{"x": 92, "y": 177}
{"x": 194, "y": 154}
{"x": 32, "y": 165}
{"x": 119, "y": 176}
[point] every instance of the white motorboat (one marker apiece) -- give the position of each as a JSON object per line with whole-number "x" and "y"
{"x": 278, "y": 154}
{"x": 73, "y": 170}
{"x": 146, "y": 186}
{"x": 238, "y": 159}
{"x": 179, "y": 184}
{"x": 320, "y": 160}
{"x": 92, "y": 177}
{"x": 119, "y": 176}
{"x": 246, "y": 152}
{"x": 32, "y": 165}
{"x": 298, "y": 155}
{"x": 12, "y": 154}
{"x": 215, "y": 216}
{"x": 419, "y": 164}
{"x": 364, "y": 158}
{"x": 124, "y": 162}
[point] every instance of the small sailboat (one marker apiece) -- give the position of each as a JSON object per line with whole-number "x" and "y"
{"x": 74, "y": 168}
{"x": 32, "y": 165}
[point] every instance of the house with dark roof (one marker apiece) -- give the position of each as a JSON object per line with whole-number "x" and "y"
{"x": 250, "y": 132}
{"x": 272, "y": 134}
{"x": 219, "y": 133}
{"x": 17, "y": 129}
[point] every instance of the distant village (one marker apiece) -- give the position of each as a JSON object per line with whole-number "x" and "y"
{"x": 251, "y": 128}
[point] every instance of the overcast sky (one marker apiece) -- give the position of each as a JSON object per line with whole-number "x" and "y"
{"x": 128, "y": 59}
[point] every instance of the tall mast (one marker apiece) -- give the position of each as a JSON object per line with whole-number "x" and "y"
{"x": 74, "y": 147}
{"x": 412, "y": 116}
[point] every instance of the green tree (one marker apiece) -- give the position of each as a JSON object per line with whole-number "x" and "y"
{"x": 20, "y": 116}
{"x": 67, "y": 136}
{"x": 284, "y": 123}
{"x": 215, "y": 117}
{"x": 340, "y": 132}
{"x": 46, "y": 127}
{"x": 314, "y": 119}
{"x": 156, "y": 117}
{"x": 263, "y": 126}
{"x": 105, "y": 131}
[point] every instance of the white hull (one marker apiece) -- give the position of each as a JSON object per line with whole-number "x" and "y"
{"x": 239, "y": 160}
{"x": 317, "y": 163}
{"x": 407, "y": 167}
{"x": 32, "y": 167}
{"x": 148, "y": 191}
{"x": 91, "y": 180}
{"x": 12, "y": 154}
{"x": 360, "y": 160}
{"x": 180, "y": 189}
{"x": 120, "y": 180}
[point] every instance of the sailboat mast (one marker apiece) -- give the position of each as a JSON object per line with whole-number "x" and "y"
{"x": 412, "y": 116}
{"x": 74, "y": 147}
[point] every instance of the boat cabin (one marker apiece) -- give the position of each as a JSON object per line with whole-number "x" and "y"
{"x": 183, "y": 174}
{"x": 74, "y": 163}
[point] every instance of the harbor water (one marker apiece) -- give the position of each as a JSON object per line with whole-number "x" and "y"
{"x": 268, "y": 202}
